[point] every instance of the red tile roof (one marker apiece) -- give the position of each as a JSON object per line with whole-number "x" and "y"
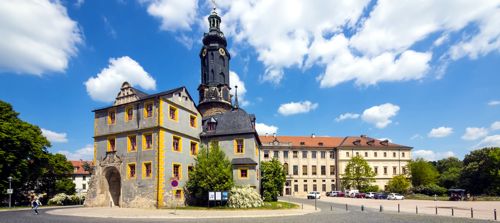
{"x": 304, "y": 141}
{"x": 78, "y": 167}
{"x": 365, "y": 141}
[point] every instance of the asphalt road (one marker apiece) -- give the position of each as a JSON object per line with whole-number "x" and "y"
{"x": 339, "y": 214}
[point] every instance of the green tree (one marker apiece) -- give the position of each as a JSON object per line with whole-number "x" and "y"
{"x": 273, "y": 179}
{"x": 212, "y": 172}
{"x": 65, "y": 185}
{"x": 358, "y": 174}
{"x": 449, "y": 172}
{"x": 481, "y": 171}
{"x": 398, "y": 184}
{"x": 446, "y": 164}
{"x": 422, "y": 172}
{"x": 55, "y": 175}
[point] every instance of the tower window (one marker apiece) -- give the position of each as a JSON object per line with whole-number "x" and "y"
{"x": 194, "y": 148}
{"x": 111, "y": 117}
{"x": 239, "y": 146}
{"x": 176, "y": 171}
{"x": 147, "y": 170}
{"x": 211, "y": 126}
{"x": 148, "y": 141}
{"x": 172, "y": 113}
{"x": 176, "y": 144}
{"x": 149, "y": 110}
{"x": 130, "y": 113}
{"x": 131, "y": 170}
{"x": 111, "y": 144}
{"x": 192, "y": 121}
{"x": 132, "y": 144}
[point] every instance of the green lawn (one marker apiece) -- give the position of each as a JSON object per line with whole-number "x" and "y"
{"x": 274, "y": 205}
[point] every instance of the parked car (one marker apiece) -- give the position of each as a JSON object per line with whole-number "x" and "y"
{"x": 340, "y": 194}
{"x": 370, "y": 195}
{"x": 380, "y": 196}
{"x": 349, "y": 193}
{"x": 359, "y": 195}
{"x": 395, "y": 196}
{"x": 333, "y": 193}
{"x": 313, "y": 195}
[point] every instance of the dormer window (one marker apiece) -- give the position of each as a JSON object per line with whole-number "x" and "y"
{"x": 302, "y": 143}
{"x": 211, "y": 126}
{"x": 320, "y": 144}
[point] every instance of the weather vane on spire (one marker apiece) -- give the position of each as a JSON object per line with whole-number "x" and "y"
{"x": 214, "y": 5}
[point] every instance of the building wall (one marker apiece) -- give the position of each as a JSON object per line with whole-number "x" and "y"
{"x": 81, "y": 182}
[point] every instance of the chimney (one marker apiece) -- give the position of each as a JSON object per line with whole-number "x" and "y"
{"x": 363, "y": 136}
{"x": 274, "y": 135}
{"x": 313, "y": 135}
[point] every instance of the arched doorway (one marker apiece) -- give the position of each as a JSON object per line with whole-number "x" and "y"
{"x": 114, "y": 184}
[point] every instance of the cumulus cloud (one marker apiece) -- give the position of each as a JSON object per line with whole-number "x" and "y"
{"x": 242, "y": 90}
{"x": 416, "y": 136}
{"x": 431, "y": 155}
{"x": 107, "y": 83}
{"x": 37, "y": 37}
{"x": 54, "y": 137}
{"x": 473, "y": 133}
{"x": 85, "y": 153}
{"x": 440, "y": 132}
{"x": 489, "y": 141}
{"x": 495, "y": 126}
{"x": 380, "y": 115}
{"x": 294, "y": 108}
{"x": 493, "y": 103}
{"x": 263, "y": 129}
{"x": 174, "y": 14}
{"x": 345, "y": 116}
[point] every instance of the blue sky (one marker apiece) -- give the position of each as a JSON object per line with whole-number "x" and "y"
{"x": 422, "y": 74}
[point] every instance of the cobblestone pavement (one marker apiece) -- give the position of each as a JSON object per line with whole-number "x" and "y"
{"x": 339, "y": 214}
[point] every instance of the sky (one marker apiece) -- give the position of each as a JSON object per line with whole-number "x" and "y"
{"x": 423, "y": 73}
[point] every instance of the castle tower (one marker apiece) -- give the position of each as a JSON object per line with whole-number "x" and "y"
{"x": 214, "y": 88}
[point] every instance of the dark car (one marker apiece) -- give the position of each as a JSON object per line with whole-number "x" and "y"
{"x": 380, "y": 196}
{"x": 340, "y": 194}
{"x": 359, "y": 195}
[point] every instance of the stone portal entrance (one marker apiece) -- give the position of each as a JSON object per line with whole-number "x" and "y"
{"x": 114, "y": 184}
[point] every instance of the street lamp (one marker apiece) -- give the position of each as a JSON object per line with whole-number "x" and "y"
{"x": 10, "y": 191}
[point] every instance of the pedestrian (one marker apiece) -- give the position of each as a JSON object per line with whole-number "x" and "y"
{"x": 35, "y": 204}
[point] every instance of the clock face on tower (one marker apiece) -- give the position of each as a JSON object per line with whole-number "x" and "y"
{"x": 222, "y": 52}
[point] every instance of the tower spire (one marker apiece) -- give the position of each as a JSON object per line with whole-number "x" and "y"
{"x": 236, "y": 97}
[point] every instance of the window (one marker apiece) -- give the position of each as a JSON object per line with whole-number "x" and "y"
{"x": 323, "y": 187}
{"x": 194, "y": 148}
{"x": 403, "y": 154}
{"x": 375, "y": 154}
{"x": 285, "y": 154}
{"x": 266, "y": 154}
{"x": 211, "y": 126}
{"x": 132, "y": 143}
{"x": 315, "y": 187}
{"x": 304, "y": 170}
{"x": 313, "y": 154}
{"x": 148, "y": 141}
{"x": 394, "y": 170}
{"x": 332, "y": 155}
{"x": 323, "y": 170}
{"x": 285, "y": 168}
{"x": 385, "y": 170}
{"x": 192, "y": 121}
{"x": 131, "y": 170}
{"x": 146, "y": 170}
{"x": 176, "y": 170}
{"x": 276, "y": 154}
{"x": 176, "y": 144}
{"x": 366, "y": 154}
{"x": 347, "y": 154}
{"x": 323, "y": 154}
{"x": 295, "y": 170}
{"x": 84, "y": 178}
{"x": 313, "y": 170}
{"x": 304, "y": 154}
{"x": 111, "y": 117}
{"x": 84, "y": 186}
{"x": 172, "y": 113}
{"x": 239, "y": 146}
{"x": 332, "y": 170}
{"x": 385, "y": 154}
{"x": 375, "y": 169}
{"x": 148, "y": 110}
{"x": 393, "y": 154}
{"x": 302, "y": 143}
{"x": 305, "y": 187}
{"x": 130, "y": 114}
{"x": 295, "y": 188}
{"x": 244, "y": 173}
{"x": 295, "y": 154}
{"x": 404, "y": 170}
{"x": 111, "y": 144}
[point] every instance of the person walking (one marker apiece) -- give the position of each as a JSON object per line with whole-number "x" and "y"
{"x": 35, "y": 204}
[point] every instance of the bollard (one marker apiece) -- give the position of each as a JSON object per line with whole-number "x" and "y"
{"x": 436, "y": 210}
{"x": 399, "y": 208}
{"x": 495, "y": 214}
{"x": 346, "y": 209}
{"x": 331, "y": 207}
{"x": 362, "y": 208}
{"x": 471, "y": 213}
{"x": 381, "y": 208}
{"x": 452, "y": 212}
{"x": 302, "y": 205}
{"x": 416, "y": 209}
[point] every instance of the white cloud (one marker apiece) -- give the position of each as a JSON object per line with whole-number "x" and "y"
{"x": 380, "y": 115}
{"x": 234, "y": 80}
{"x": 294, "y": 108}
{"x": 85, "y": 153}
{"x": 106, "y": 84}
{"x": 54, "y": 137}
{"x": 37, "y": 37}
{"x": 493, "y": 103}
{"x": 489, "y": 141}
{"x": 431, "y": 155}
{"x": 440, "y": 132}
{"x": 473, "y": 133}
{"x": 416, "y": 136}
{"x": 174, "y": 14}
{"x": 345, "y": 116}
{"x": 79, "y": 3}
{"x": 263, "y": 129}
{"x": 495, "y": 126}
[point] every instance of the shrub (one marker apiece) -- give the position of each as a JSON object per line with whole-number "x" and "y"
{"x": 430, "y": 189}
{"x": 370, "y": 188}
{"x": 63, "y": 199}
{"x": 398, "y": 184}
{"x": 244, "y": 197}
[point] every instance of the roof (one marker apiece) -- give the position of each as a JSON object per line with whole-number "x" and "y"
{"x": 304, "y": 141}
{"x": 243, "y": 161}
{"x": 235, "y": 121}
{"x": 365, "y": 141}
{"x": 78, "y": 167}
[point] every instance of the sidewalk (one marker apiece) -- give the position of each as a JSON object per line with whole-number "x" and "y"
{"x": 106, "y": 212}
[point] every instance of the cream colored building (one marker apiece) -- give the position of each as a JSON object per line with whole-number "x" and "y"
{"x": 317, "y": 163}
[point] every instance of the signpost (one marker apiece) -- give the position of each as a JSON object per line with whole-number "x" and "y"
{"x": 174, "y": 182}
{"x": 221, "y": 196}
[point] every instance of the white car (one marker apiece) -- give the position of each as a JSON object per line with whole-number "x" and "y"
{"x": 370, "y": 195}
{"x": 313, "y": 195}
{"x": 395, "y": 196}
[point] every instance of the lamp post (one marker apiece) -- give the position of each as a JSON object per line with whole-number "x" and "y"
{"x": 10, "y": 191}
